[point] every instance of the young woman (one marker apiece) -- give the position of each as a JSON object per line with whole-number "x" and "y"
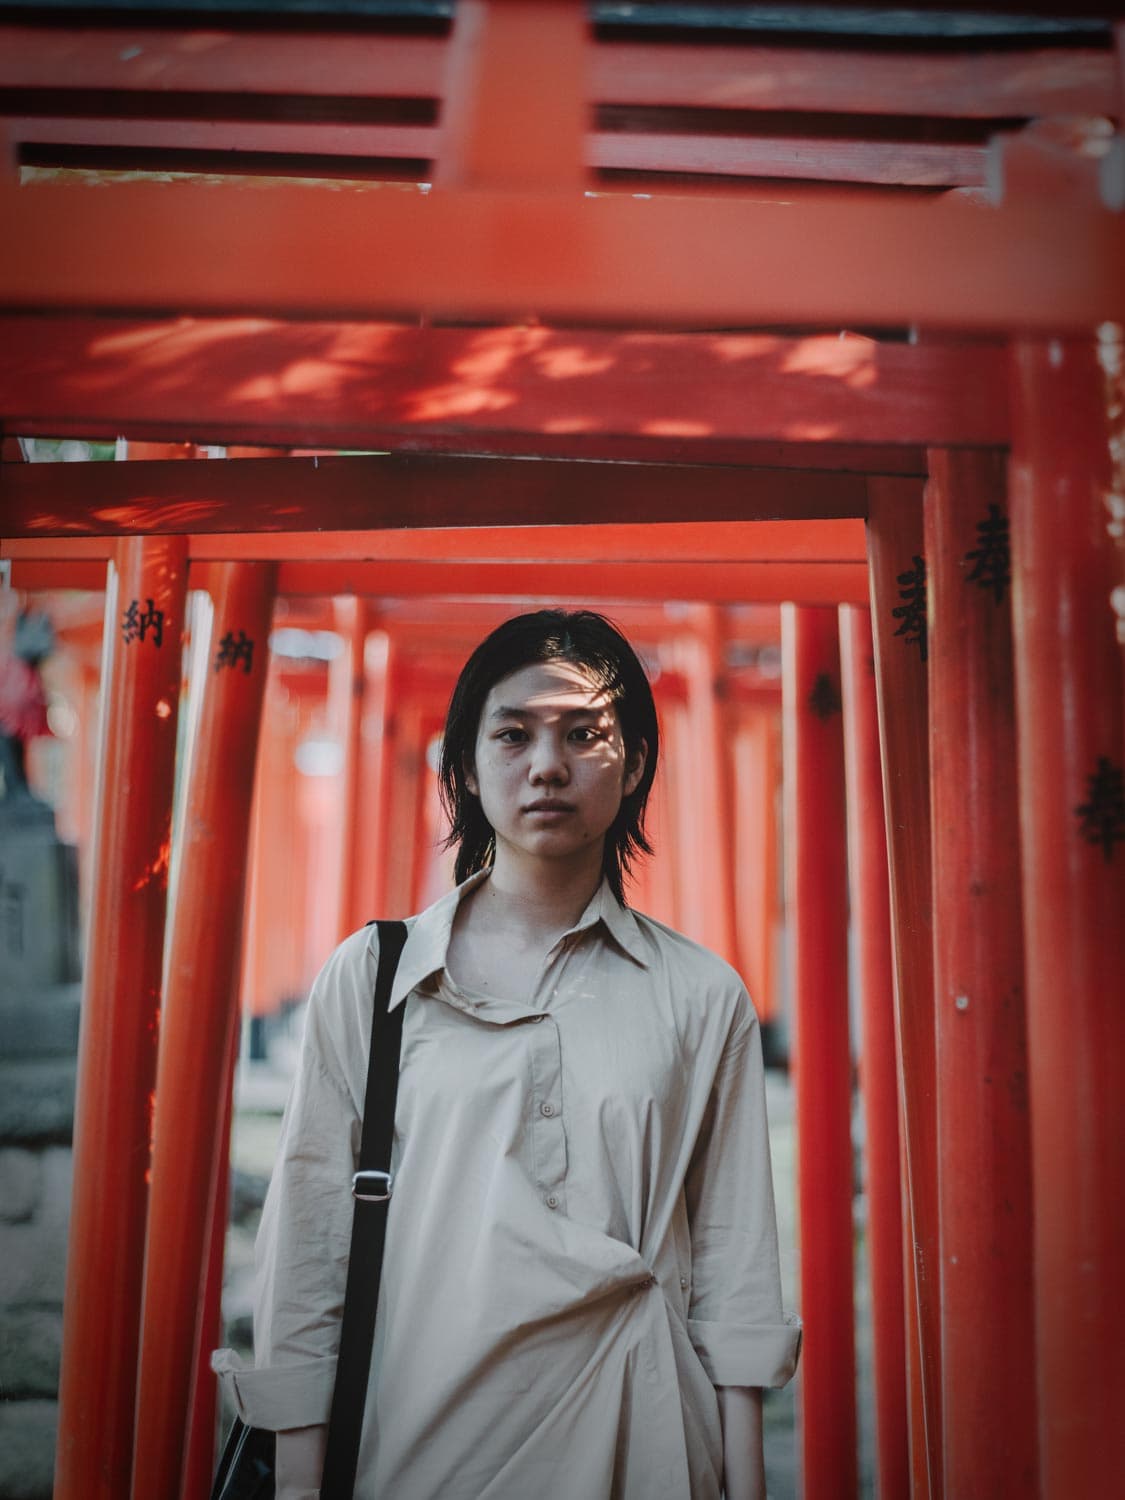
{"x": 580, "y": 1296}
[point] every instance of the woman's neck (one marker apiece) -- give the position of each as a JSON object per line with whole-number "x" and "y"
{"x": 540, "y": 897}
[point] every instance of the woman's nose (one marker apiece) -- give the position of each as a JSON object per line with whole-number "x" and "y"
{"x": 548, "y": 762}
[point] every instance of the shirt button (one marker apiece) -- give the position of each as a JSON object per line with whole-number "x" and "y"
{"x": 552, "y": 1201}
{"x": 546, "y": 1109}
{"x": 683, "y": 1283}
{"x": 539, "y": 1018}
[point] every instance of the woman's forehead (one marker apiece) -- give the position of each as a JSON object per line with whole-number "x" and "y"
{"x": 552, "y": 685}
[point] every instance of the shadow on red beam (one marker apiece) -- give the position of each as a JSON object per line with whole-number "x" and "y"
{"x": 371, "y": 385}
{"x": 683, "y": 541}
{"x": 679, "y": 260}
{"x": 394, "y": 490}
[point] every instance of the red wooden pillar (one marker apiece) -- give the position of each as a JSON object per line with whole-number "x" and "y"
{"x": 383, "y": 798}
{"x": 817, "y": 909}
{"x": 984, "y": 1159}
{"x": 199, "y": 1463}
{"x": 878, "y": 1072}
{"x": 346, "y": 684}
{"x": 756, "y": 763}
{"x": 900, "y": 633}
{"x": 1072, "y": 821}
{"x": 201, "y": 1011}
{"x": 707, "y": 823}
{"x": 121, "y": 1003}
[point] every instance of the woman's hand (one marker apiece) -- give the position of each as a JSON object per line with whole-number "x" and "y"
{"x": 300, "y": 1460}
{"x": 744, "y": 1469}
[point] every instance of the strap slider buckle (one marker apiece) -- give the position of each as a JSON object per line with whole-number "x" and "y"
{"x": 372, "y": 1179}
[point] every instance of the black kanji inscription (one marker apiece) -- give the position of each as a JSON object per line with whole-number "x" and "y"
{"x": 234, "y": 649}
{"x": 912, "y": 611}
{"x": 137, "y": 623}
{"x": 1103, "y": 812}
{"x": 824, "y": 700}
{"x": 992, "y": 556}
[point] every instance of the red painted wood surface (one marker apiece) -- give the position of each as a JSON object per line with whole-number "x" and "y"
{"x": 382, "y": 152}
{"x": 869, "y": 887}
{"x": 816, "y": 887}
{"x": 824, "y": 583}
{"x": 705, "y": 844}
{"x": 682, "y": 259}
{"x": 346, "y": 705}
{"x": 121, "y": 1007}
{"x": 390, "y": 386}
{"x": 200, "y": 1454}
{"x": 984, "y": 1165}
{"x": 755, "y": 752}
{"x": 894, "y": 533}
{"x": 972, "y": 83}
{"x": 829, "y": 541}
{"x": 390, "y": 491}
{"x": 200, "y": 1012}
{"x": 1069, "y": 716}
{"x": 515, "y": 108}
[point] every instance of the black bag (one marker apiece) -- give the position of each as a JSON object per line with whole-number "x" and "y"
{"x": 246, "y": 1469}
{"x": 247, "y": 1466}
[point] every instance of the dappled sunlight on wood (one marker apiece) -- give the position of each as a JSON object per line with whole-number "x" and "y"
{"x": 353, "y": 385}
{"x": 850, "y": 359}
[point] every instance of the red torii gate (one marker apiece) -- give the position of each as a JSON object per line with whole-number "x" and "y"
{"x": 506, "y": 229}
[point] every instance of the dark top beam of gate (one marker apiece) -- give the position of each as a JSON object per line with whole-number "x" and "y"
{"x": 398, "y": 490}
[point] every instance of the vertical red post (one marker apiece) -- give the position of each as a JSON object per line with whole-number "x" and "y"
{"x": 1072, "y": 822}
{"x": 201, "y": 1009}
{"x": 817, "y": 913}
{"x": 199, "y": 1462}
{"x": 878, "y": 1071}
{"x": 516, "y": 108}
{"x": 347, "y": 681}
{"x": 142, "y": 648}
{"x": 984, "y": 1170}
{"x": 756, "y": 763}
{"x": 899, "y": 629}
{"x": 707, "y": 827}
{"x": 386, "y": 771}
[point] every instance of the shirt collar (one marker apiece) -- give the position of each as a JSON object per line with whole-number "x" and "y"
{"x": 427, "y": 940}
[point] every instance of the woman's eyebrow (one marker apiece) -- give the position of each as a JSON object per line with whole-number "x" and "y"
{"x": 525, "y": 711}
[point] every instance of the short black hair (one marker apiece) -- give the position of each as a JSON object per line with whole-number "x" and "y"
{"x": 587, "y": 640}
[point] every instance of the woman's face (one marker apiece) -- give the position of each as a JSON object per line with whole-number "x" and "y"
{"x": 550, "y": 765}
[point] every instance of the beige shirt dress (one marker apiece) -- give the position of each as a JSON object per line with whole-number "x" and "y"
{"x": 581, "y": 1242}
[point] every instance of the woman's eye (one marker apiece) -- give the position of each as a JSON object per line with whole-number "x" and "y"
{"x": 511, "y": 736}
{"x": 585, "y": 734}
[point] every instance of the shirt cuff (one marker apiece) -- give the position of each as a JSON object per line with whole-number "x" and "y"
{"x": 748, "y": 1354}
{"x": 277, "y": 1397}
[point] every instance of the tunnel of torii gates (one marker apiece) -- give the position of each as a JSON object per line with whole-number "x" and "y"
{"x": 575, "y": 290}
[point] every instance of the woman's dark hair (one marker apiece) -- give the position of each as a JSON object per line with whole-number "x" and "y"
{"x": 589, "y": 641}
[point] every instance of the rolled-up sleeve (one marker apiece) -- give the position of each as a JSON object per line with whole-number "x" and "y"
{"x": 735, "y": 1318}
{"x": 301, "y": 1251}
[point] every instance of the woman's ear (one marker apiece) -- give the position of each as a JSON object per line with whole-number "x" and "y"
{"x": 635, "y": 769}
{"x": 470, "y": 777}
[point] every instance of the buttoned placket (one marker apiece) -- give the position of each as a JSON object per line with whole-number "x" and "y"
{"x": 548, "y": 1124}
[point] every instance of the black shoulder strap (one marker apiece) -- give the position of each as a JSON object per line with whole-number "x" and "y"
{"x": 369, "y": 1227}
